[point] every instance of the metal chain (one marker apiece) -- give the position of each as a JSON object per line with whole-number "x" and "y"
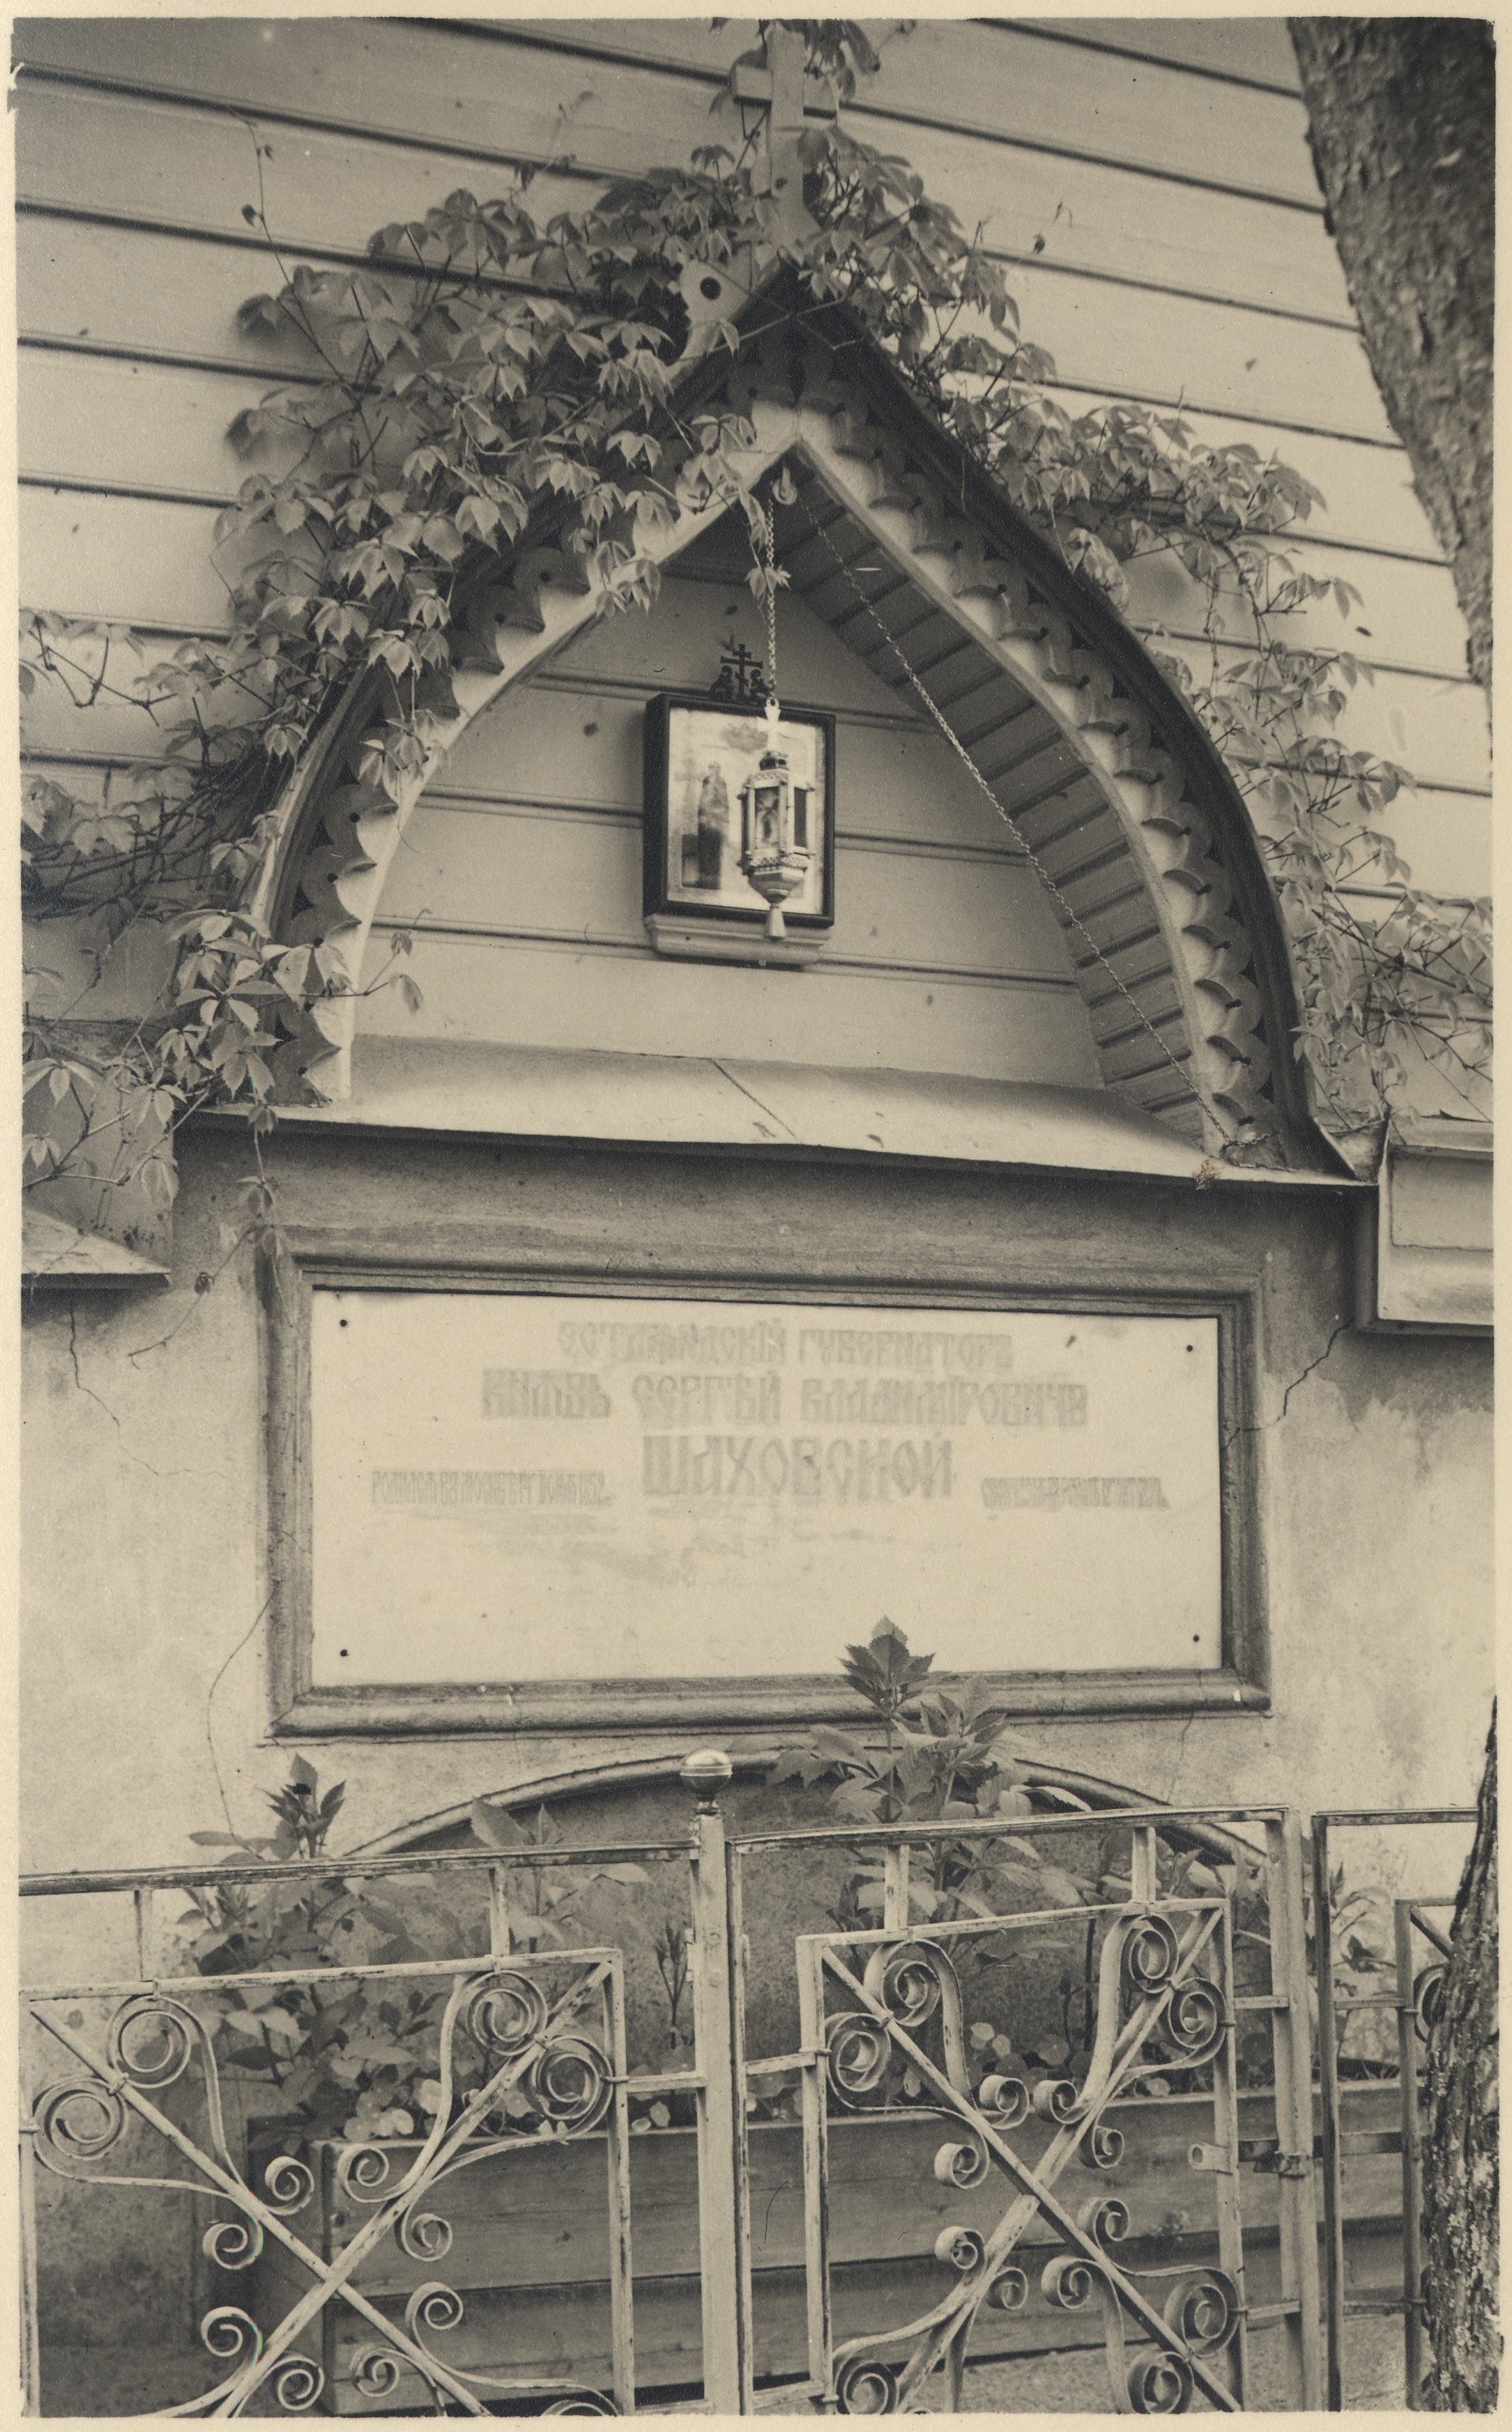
{"x": 771, "y": 601}
{"x": 1032, "y": 858}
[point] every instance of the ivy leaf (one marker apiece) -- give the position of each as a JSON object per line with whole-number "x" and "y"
{"x": 496, "y": 1826}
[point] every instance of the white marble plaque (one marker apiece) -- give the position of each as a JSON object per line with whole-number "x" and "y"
{"x": 514, "y": 1487}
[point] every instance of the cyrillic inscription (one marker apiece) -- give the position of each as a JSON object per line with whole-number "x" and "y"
{"x": 665, "y": 1344}
{"x": 519, "y": 1486}
{"x": 852, "y": 1346}
{"x": 844, "y": 1470}
{"x": 904, "y": 1402}
{"x": 738, "y": 1398}
{"x": 543, "y": 1394}
{"x": 527, "y": 1489}
{"x": 1074, "y": 1495}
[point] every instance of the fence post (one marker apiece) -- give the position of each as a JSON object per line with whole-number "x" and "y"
{"x": 727, "y": 2363}
{"x": 30, "y": 2336}
{"x": 500, "y": 1931}
{"x": 895, "y": 1888}
{"x": 1329, "y": 2106}
{"x": 1411, "y": 2159}
{"x": 1294, "y": 2113}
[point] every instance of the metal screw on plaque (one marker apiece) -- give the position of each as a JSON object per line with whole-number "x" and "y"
{"x": 706, "y": 1772}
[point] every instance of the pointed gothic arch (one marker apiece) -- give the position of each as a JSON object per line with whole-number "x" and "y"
{"x": 1104, "y": 771}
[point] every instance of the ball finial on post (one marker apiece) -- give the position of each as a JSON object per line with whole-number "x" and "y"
{"x": 706, "y": 1771}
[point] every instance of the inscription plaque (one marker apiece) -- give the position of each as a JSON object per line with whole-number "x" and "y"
{"x": 512, "y": 1487}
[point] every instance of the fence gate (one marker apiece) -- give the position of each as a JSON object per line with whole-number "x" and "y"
{"x": 355, "y": 2254}
{"x": 893, "y": 2058}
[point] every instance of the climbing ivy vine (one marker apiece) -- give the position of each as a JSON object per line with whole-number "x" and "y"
{"x": 483, "y": 366}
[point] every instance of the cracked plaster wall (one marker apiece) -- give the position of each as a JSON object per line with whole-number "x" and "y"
{"x": 147, "y": 1573}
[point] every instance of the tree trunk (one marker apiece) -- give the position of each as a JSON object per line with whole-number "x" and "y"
{"x": 1402, "y": 121}
{"x": 1460, "y": 2175}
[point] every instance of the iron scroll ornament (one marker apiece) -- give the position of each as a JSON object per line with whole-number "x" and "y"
{"x": 1149, "y": 1986}
{"x": 532, "y": 2048}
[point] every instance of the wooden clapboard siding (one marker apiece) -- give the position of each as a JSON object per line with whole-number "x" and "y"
{"x": 89, "y": 284}
{"x": 146, "y": 560}
{"x": 1369, "y": 503}
{"x": 178, "y": 166}
{"x": 1224, "y": 358}
{"x": 326, "y": 189}
{"x": 420, "y": 81}
{"x": 1239, "y": 50}
{"x": 1160, "y": 168}
{"x": 1434, "y": 726}
{"x": 1250, "y": 364}
{"x": 1004, "y": 79}
{"x": 582, "y": 747}
{"x": 565, "y": 992}
{"x": 140, "y": 560}
{"x": 1406, "y": 615}
{"x": 436, "y": 83}
{"x": 522, "y": 878}
{"x": 1444, "y": 838}
{"x": 519, "y": 870}
{"x": 83, "y": 416}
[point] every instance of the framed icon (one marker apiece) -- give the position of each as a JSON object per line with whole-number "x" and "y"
{"x": 713, "y": 799}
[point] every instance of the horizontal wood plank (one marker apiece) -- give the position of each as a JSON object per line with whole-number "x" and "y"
{"x": 565, "y": 2331}
{"x": 1010, "y": 79}
{"x": 112, "y": 419}
{"x": 1444, "y": 838}
{"x": 436, "y": 83}
{"x": 1253, "y": 49}
{"x": 1432, "y": 725}
{"x": 584, "y": 750}
{"x": 130, "y": 560}
{"x": 134, "y": 290}
{"x": 537, "y": 2215}
{"x": 529, "y": 2247}
{"x": 1368, "y": 498}
{"x": 1443, "y": 834}
{"x": 83, "y": 147}
{"x": 520, "y": 872}
{"x": 576, "y": 992}
{"x": 172, "y": 163}
{"x": 1181, "y": 349}
{"x": 138, "y": 292}
{"x": 1407, "y": 612}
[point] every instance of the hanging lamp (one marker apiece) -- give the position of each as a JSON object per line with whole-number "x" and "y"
{"x": 775, "y": 850}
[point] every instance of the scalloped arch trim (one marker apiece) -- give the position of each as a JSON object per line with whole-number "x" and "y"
{"x": 1147, "y": 841}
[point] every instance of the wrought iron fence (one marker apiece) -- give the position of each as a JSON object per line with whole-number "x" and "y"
{"x": 881, "y": 2022}
{"x": 851, "y": 2216}
{"x": 523, "y": 2044}
{"x": 1418, "y": 1956}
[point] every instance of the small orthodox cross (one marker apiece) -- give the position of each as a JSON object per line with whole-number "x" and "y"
{"x": 740, "y": 676}
{"x": 787, "y": 94}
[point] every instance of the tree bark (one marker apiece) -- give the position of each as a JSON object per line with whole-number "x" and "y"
{"x": 1403, "y": 132}
{"x": 1460, "y": 2174}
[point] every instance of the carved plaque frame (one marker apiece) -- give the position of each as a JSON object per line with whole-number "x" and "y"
{"x": 307, "y": 1260}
